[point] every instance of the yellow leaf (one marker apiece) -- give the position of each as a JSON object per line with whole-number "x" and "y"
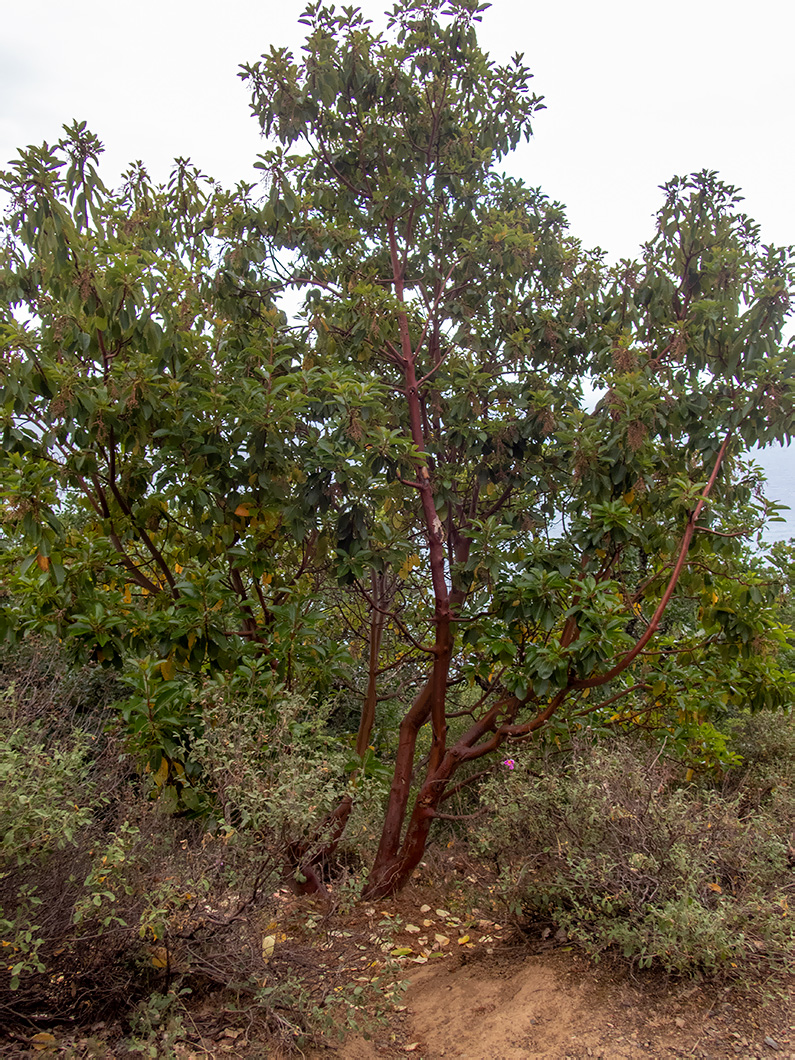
{"x": 159, "y": 957}
{"x": 42, "y": 1040}
{"x": 689, "y": 774}
{"x": 408, "y": 566}
{"x": 463, "y": 940}
{"x": 629, "y": 497}
{"x": 716, "y": 887}
{"x": 127, "y": 594}
{"x": 161, "y": 776}
{"x": 266, "y": 578}
{"x": 42, "y": 562}
{"x": 268, "y": 945}
{"x": 242, "y": 511}
{"x": 168, "y": 667}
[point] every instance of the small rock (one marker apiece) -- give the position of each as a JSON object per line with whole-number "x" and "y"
{"x": 771, "y": 1043}
{"x": 680, "y": 1022}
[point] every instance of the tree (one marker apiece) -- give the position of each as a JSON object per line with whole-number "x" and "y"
{"x": 413, "y": 465}
{"x": 553, "y": 539}
{"x": 151, "y": 450}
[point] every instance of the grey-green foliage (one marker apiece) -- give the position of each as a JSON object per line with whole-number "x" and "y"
{"x": 44, "y": 806}
{"x": 44, "y": 790}
{"x": 614, "y": 848}
{"x": 274, "y": 770}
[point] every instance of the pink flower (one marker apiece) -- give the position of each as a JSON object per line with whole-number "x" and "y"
{"x": 509, "y": 762}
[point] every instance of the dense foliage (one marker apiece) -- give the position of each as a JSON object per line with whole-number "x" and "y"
{"x": 397, "y": 497}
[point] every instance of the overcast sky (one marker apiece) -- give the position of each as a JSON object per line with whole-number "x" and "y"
{"x": 636, "y": 92}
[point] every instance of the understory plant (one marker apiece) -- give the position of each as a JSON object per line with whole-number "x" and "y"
{"x": 614, "y": 846}
{"x": 112, "y": 907}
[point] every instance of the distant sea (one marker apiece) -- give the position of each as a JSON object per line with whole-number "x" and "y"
{"x": 778, "y": 463}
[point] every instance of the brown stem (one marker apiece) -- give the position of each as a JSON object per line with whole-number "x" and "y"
{"x": 377, "y": 620}
{"x": 249, "y": 622}
{"x": 651, "y": 629}
{"x": 385, "y": 860}
{"x": 153, "y": 550}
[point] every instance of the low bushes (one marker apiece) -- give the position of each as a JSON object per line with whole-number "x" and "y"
{"x": 112, "y": 906}
{"x": 612, "y": 845}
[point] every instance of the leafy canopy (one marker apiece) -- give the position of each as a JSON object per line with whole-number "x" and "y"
{"x": 401, "y": 490}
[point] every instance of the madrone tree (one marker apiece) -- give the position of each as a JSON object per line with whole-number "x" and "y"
{"x": 480, "y": 479}
{"x": 549, "y": 540}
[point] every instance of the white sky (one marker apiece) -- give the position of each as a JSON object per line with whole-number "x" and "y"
{"x": 636, "y": 92}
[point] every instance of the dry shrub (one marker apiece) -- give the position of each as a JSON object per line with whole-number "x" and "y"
{"x": 616, "y": 849}
{"x": 112, "y": 909}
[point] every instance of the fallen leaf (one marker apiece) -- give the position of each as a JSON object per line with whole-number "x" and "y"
{"x": 443, "y": 940}
{"x": 443, "y": 913}
{"x": 716, "y": 887}
{"x": 411, "y": 1048}
{"x": 159, "y": 957}
{"x": 42, "y": 1040}
{"x": 463, "y": 940}
{"x": 425, "y": 909}
{"x": 412, "y": 929}
{"x": 401, "y": 951}
{"x": 268, "y": 944}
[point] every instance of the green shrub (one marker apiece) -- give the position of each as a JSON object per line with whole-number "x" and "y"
{"x": 613, "y": 847}
{"x": 273, "y": 770}
{"x": 45, "y": 807}
{"x": 110, "y": 905}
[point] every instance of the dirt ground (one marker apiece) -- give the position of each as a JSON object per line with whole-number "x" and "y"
{"x": 489, "y": 991}
{"x": 472, "y": 988}
{"x": 517, "y": 1005}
